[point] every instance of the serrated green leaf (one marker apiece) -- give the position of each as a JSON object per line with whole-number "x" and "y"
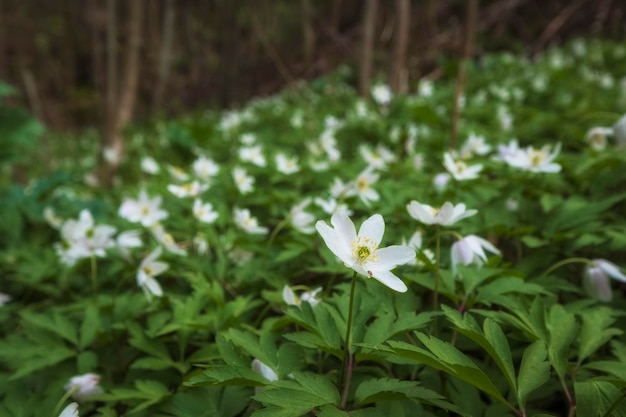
{"x": 55, "y": 323}
{"x": 139, "y": 340}
{"x": 228, "y": 375}
{"x": 595, "y": 331}
{"x": 253, "y": 346}
{"x": 562, "y": 328}
{"x": 596, "y": 398}
{"x": 382, "y": 389}
{"x": 89, "y": 327}
{"x": 331, "y": 411}
{"x": 534, "y": 372}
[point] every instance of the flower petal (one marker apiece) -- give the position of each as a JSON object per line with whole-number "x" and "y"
{"x": 374, "y": 228}
{"x": 387, "y": 278}
{"x": 394, "y": 255}
{"x": 336, "y": 245}
{"x": 611, "y": 269}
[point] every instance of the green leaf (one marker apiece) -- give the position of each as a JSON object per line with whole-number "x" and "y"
{"x": 534, "y": 372}
{"x": 382, "y": 389}
{"x": 55, "y": 323}
{"x": 595, "y": 331}
{"x": 89, "y": 327}
{"x": 562, "y": 328}
{"x": 331, "y": 411}
{"x": 596, "y": 398}
{"x": 228, "y": 375}
{"x": 139, "y": 340}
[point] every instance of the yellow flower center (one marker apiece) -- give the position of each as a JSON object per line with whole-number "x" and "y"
{"x": 364, "y": 250}
{"x": 536, "y": 158}
{"x": 363, "y": 184}
{"x": 460, "y": 166}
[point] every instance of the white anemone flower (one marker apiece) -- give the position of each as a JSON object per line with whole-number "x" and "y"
{"x": 243, "y": 181}
{"x": 252, "y": 154}
{"x": 247, "y": 223}
{"x": 149, "y": 165}
{"x": 286, "y": 165}
{"x": 204, "y": 211}
{"x": 83, "y": 387}
{"x": 536, "y": 160}
{"x": 471, "y": 249}
{"x": 597, "y": 279}
{"x": 205, "y": 168}
{"x": 362, "y": 186}
{"x": 82, "y": 239}
{"x": 70, "y": 411}
{"x": 4, "y": 298}
{"x": 190, "y": 189}
{"x": 441, "y": 180}
{"x": 144, "y": 210}
{"x": 166, "y": 239}
{"x": 381, "y": 93}
{"x": 459, "y": 169}
{"x": 265, "y": 371}
{"x": 361, "y": 252}
{"x": 445, "y": 215}
{"x": 597, "y": 137}
{"x": 331, "y": 205}
{"x": 300, "y": 219}
{"x": 178, "y": 173}
{"x": 148, "y": 269}
{"x": 290, "y": 297}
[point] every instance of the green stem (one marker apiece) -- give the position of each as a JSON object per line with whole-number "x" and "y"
{"x": 94, "y": 275}
{"x": 347, "y": 357}
{"x": 437, "y": 277}
{"x": 68, "y": 394}
{"x": 565, "y": 262}
{"x": 609, "y": 412}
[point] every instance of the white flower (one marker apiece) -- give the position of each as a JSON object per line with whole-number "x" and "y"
{"x": 178, "y": 173}
{"x": 70, "y": 411}
{"x": 381, "y": 94}
{"x": 148, "y": 269}
{"x": 459, "y": 169}
{"x": 265, "y": 371}
{"x": 471, "y": 249}
{"x": 243, "y": 181}
{"x": 597, "y": 137}
{"x": 286, "y": 165}
{"x": 166, "y": 240}
{"x": 240, "y": 256}
{"x": 363, "y": 186}
{"x": 190, "y": 189}
{"x": 201, "y": 245}
{"x": 511, "y": 204}
{"x": 596, "y": 279}
{"x": 204, "y": 211}
{"x": 378, "y": 158}
{"x": 536, "y": 160}
{"x": 360, "y": 251}
{"x": 300, "y": 219}
{"x": 248, "y": 139}
{"x": 446, "y": 215}
{"x": 247, "y": 223}
{"x": 415, "y": 242}
{"x": 425, "y": 88}
{"x": 505, "y": 117}
{"x": 475, "y": 145}
{"x": 84, "y": 386}
{"x": 331, "y": 206}
{"x": 252, "y": 154}
{"x": 112, "y": 155}
{"x": 339, "y": 189}
{"x": 290, "y": 297}
{"x": 507, "y": 151}
{"x": 441, "y": 180}
{"x": 205, "y": 168}
{"x": 4, "y": 298}
{"x": 51, "y": 218}
{"x": 149, "y": 165}
{"x": 82, "y": 239}
{"x": 144, "y": 210}
{"x": 128, "y": 239}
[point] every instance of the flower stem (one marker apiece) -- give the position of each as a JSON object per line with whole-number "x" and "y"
{"x": 565, "y": 262}
{"x": 94, "y": 274}
{"x": 65, "y": 397}
{"x": 347, "y": 357}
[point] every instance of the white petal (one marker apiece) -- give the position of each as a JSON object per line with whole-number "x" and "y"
{"x": 267, "y": 372}
{"x": 289, "y": 297}
{"x": 395, "y": 255}
{"x": 387, "y": 278}
{"x": 338, "y": 246}
{"x": 611, "y": 269}
{"x": 597, "y": 284}
{"x": 420, "y": 212}
{"x": 344, "y": 228}
{"x": 153, "y": 287}
{"x": 374, "y": 228}
{"x": 70, "y": 411}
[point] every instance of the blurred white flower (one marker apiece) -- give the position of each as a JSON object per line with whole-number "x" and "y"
{"x": 205, "y": 168}
{"x": 597, "y": 137}
{"x": 240, "y": 256}
{"x": 425, "y": 88}
{"x": 247, "y": 223}
{"x": 149, "y": 268}
{"x": 505, "y": 117}
{"x": 204, "y": 211}
{"x": 4, "y": 298}
{"x": 474, "y": 145}
{"x": 81, "y": 238}
{"x": 597, "y": 279}
{"x": 331, "y": 205}
{"x": 83, "y": 387}
{"x": 508, "y": 150}
{"x": 166, "y": 239}
{"x": 290, "y": 297}
{"x": 286, "y": 165}
{"x": 362, "y": 186}
{"x": 415, "y": 242}
{"x": 51, "y": 218}
{"x": 360, "y": 251}
{"x": 248, "y": 139}
{"x": 511, "y": 204}
{"x": 381, "y": 94}
{"x": 178, "y": 173}
{"x": 243, "y": 181}
{"x": 264, "y": 370}
{"x": 112, "y": 155}
{"x": 378, "y": 158}
{"x": 190, "y": 189}
{"x": 459, "y": 169}
{"x": 252, "y": 154}
{"x": 144, "y": 210}
{"x": 149, "y": 165}
{"x": 128, "y": 239}
{"x": 536, "y": 160}
{"x": 300, "y": 219}
{"x": 70, "y": 411}
{"x": 445, "y": 215}
{"x": 471, "y": 249}
{"x": 441, "y": 180}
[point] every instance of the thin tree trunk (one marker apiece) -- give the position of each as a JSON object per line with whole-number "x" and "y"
{"x": 111, "y": 71}
{"x": 308, "y": 32}
{"x": 367, "y": 46}
{"x": 3, "y": 53}
{"x": 166, "y": 53}
{"x": 128, "y": 93}
{"x": 335, "y": 15}
{"x": 399, "y": 72}
{"x": 468, "y": 51}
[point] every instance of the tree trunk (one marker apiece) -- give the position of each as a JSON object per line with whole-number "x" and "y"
{"x": 114, "y": 141}
{"x": 166, "y": 53}
{"x": 367, "y": 46}
{"x": 399, "y": 72}
{"x": 111, "y": 71}
{"x": 308, "y": 32}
